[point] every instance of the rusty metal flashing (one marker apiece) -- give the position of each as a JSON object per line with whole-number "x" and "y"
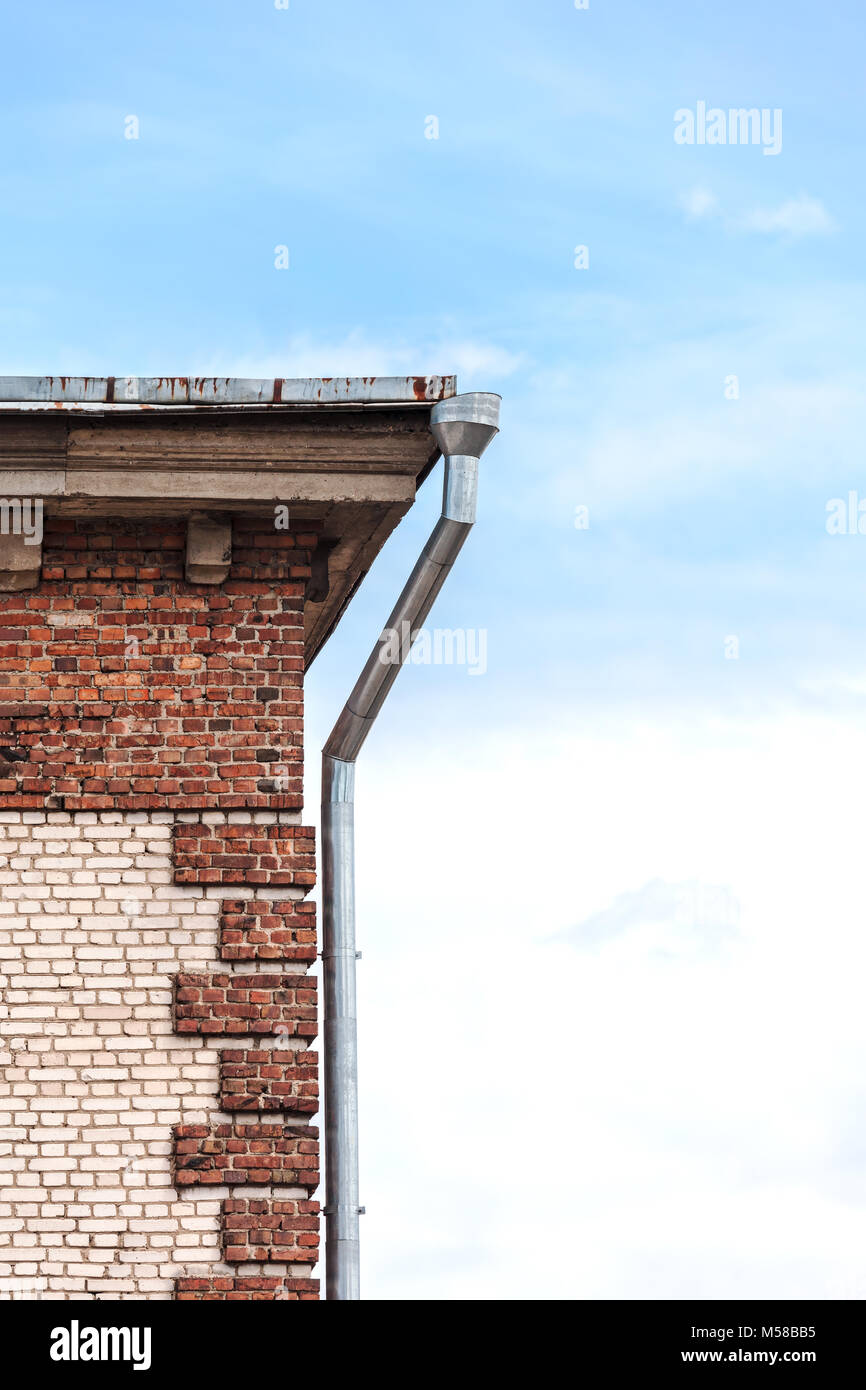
{"x": 86, "y": 394}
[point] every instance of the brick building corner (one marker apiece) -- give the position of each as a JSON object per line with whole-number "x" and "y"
{"x": 196, "y": 544}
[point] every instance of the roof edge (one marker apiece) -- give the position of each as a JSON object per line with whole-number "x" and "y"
{"x": 126, "y": 391}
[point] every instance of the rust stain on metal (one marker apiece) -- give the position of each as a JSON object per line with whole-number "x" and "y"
{"x": 174, "y": 385}
{"x": 231, "y": 393}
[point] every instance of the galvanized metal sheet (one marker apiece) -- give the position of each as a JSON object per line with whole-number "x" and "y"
{"x": 215, "y": 390}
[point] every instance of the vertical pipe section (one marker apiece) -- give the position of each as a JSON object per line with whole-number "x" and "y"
{"x": 463, "y": 426}
{"x": 341, "y": 1029}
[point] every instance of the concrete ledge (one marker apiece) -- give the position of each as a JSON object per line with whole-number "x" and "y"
{"x": 32, "y": 482}
{"x": 346, "y": 458}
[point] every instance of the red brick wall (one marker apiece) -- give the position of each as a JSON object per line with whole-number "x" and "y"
{"x": 261, "y": 929}
{"x": 248, "y": 1289}
{"x": 280, "y": 855}
{"x": 258, "y": 1230}
{"x": 269, "y": 1079}
{"x": 241, "y": 1004}
{"x": 269, "y": 1153}
{"x": 124, "y": 687}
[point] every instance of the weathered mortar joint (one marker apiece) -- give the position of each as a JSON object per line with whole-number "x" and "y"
{"x": 208, "y": 549}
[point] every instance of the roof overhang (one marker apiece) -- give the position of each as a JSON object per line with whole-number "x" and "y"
{"x": 345, "y": 453}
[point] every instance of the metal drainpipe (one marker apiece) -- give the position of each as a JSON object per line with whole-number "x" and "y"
{"x": 463, "y": 426}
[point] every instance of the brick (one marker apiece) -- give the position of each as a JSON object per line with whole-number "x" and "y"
{"x": 254, "y": 1079}
{"x": 276, "y": 854}
{"x": 231, "y": 1154}
{"x": 152, "y": 726}
{"x": 141, "y": 692}
{"x": 242, "y": 1004}
{"x": 263, "y": 929}
{"x": 261, "y": 1230}
{"x": 238, "y": 1288}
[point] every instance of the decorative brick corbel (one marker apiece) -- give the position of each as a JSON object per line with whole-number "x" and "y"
{"x": 20, "y": 563}
{"x": 208, "y": 549}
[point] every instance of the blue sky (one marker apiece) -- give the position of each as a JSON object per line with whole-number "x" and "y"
{"x": 612, "y": 755}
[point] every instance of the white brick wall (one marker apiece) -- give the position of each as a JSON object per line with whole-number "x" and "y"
{"x": 91, "y": 931}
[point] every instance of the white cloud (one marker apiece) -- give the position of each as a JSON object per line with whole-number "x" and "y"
{"x": 698, "y": 203}
{"x": 669, "y": 920}
{"x": 689, "y": 1124}
{"x": 655, "y": 426}
{"x": 475, "y": 362}
{"x": 797, "y": 217}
